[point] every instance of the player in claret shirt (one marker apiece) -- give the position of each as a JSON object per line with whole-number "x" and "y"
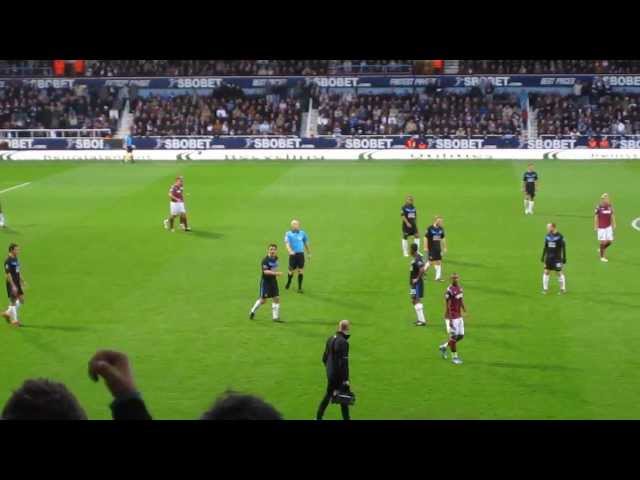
{"x": 604, "y": 222}
{"x": 554, "y": 257}
{"x": 269, "y": 284}
{"x": 453, "y": 321}
{"x": 409, "y": 216}
{"x": 176, "y": 207}
{"x": 529, "y": 185}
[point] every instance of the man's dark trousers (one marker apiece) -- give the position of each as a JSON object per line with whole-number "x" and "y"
{"x": 325, "y": 402}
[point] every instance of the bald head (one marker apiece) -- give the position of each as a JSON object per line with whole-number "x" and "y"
{"x": 343, "y": 326}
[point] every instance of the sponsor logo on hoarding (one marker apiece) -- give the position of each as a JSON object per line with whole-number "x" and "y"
{"x": 271, "y": 143}
{"x": 195, "y": 82}
{"x": 138, "y": 82}
{"x": 560, "y": 81}
{"x": 20, "y": 143}
{"x": 52, "y": 82}
{"x": 333, "y": 81}
{"x": 473, "y": 81}
{"x": 186, "y": 143}
{"x": 263, "y": 82}
{"x": 448, "y": 143}
{"x": 86, "y": 143}
{"x": 551, "y": 143}
{"x": 622, "y": 80}
{"x": 359, "y": 143}
{"x": 401, "y": 82}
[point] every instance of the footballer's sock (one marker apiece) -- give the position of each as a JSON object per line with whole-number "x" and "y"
{"x": 445, "y": 344}
{"x": 526, "y": 206}
{"x": 607, "y": 244}
{"x": 438, "y": 271}
{"x": 275, "y": 310}
{"x": 453, "y": 347}
{"x": 300, "y": 278}
{"x": 531, "y": 207}
{"x": 289, "y": 280}
{"x": 602, "y": 247}
{"x": 171, "y": 223}
{"x": 405, "y": 247}
{"x": 417, "y": 242}
{"x": 183, "y": 220}
{"x": 18, "y": 304}
{"x": 562, "y": 281}
{"x": 545, "y": 281}
{"x": 420, "y": 312}
{"x": 256, "y": 306}
{"x": 13, "y": 313}
{"x": 1, "y": 220}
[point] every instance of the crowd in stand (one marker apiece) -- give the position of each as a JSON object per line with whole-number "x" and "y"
{"x": 419, "y": 114}
{"x": 514, "y": 67}
{"x": 128, "y": 68}
{"x": 24, "y": 106}
{"x": 591, "y": 109}
{"x": 35, "y": 68}
{"x": 608, "y": 114}
{"x": 215, "y": 115}
{"x": 145, "y": 68}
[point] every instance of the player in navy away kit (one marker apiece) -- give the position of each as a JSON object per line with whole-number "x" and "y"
{"x": 454, "y": 323}
{"x": 269, "y": 284}
{"x": 529, "y": 186}
{"x": 435, "y": 245}
{"x": 15, "y": 282}
{"x": 554, "y": 256}
{"x": 409, "y": 216}
{"x": 416, "y": 284}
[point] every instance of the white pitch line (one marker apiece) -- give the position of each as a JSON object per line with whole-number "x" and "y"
{"x": 14, "y": 187}
{"x": 636, "y": 224}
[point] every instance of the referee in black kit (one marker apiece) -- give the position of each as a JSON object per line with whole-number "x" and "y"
{"x": 336, "y": 360}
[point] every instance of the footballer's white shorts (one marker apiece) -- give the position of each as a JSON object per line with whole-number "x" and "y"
{"x": 605, "y": 234}
{"x": 177, "y": 208}
{"x": 455, "y": 326}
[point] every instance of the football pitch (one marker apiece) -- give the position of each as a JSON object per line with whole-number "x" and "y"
{"x": 102, "y": 272}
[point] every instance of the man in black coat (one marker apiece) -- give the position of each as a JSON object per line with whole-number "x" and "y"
{"x": 336, "y": 360}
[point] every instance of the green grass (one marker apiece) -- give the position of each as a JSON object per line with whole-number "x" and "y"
{"x": 103, "y": 273}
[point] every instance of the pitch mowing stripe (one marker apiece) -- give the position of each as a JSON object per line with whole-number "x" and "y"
{"x": 636, "y": 224}
{"x": 14, "y": 187}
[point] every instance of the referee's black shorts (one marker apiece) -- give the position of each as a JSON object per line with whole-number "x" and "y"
{"x": 296, "y": 261}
